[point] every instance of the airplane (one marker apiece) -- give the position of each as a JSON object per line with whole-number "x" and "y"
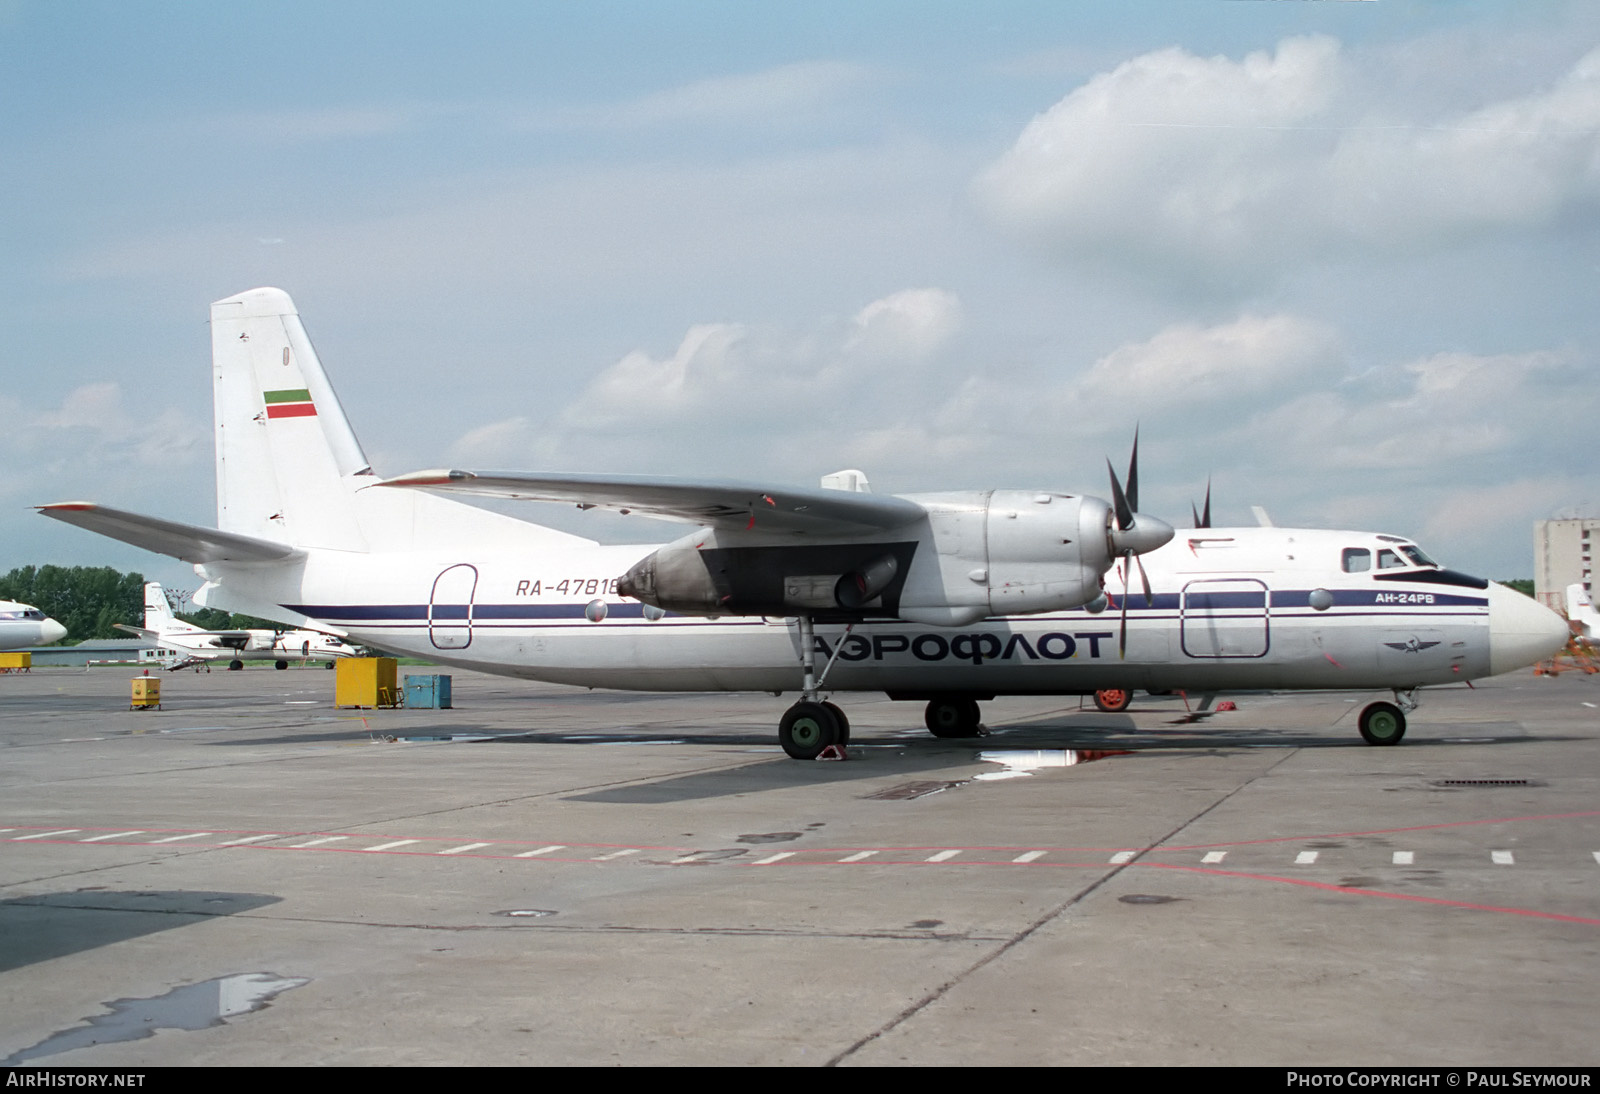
{"x": 948, "y": 599}
{"x": 23, "y": 625}
{"x": 1581, "y": 610}
{"x": 192, "y": 645}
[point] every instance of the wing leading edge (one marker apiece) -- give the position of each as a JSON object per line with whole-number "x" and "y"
{"x": 720, "y": 504}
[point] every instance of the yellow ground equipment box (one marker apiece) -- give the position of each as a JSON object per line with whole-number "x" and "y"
{"x": 365, "y": 682}
{"x": 146, "y": 693}
{"x": 16, "y": 662}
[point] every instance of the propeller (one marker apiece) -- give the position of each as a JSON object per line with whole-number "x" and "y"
{"x": 1203, "y": 519}
{"x": 1133, "y": 534}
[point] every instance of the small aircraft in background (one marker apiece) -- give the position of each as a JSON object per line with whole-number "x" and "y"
{"x": 1581, "y": 610}
{"x": 948, "y": 599}
{"x": 23, "y": 625}
{"x": 187, "y": 644}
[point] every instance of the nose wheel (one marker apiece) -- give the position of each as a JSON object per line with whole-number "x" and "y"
{"x": 1382, "y": 724}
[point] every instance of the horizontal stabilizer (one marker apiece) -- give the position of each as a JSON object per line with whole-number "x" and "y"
{"x": 716, "y": 503}
{"x": 142, "y": 632}
{"x": 190, "y": 542}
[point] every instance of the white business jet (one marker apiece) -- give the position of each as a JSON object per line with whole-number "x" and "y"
{"x": 23, "y": 625}
{"x": 190, "y": 645}
{"x": 948, "y": 599}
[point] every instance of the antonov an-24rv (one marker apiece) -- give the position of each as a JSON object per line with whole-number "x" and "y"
{"x": 944, "y": 598}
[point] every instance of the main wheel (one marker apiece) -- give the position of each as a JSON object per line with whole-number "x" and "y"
{"x": 235, "y": 665}
{"x": 1382, "y": 724}
{"x": 280, "y": 664}
{"x": 1113, "y": 700}
{"x": 807, "y": 729}
{"x": 842, "y": 723}
{"x": 952, "y": 717}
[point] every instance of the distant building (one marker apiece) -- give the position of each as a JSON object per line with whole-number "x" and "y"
{"x": 1563, "y": 553}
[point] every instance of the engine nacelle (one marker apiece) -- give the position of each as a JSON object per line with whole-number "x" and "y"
{"x": 974, "y": 555}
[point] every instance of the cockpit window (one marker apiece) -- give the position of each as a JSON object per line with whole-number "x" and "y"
{"x": 1357, "y": 560}
{"x": 1388, "y": 560}
{"x": 1417, "y": 555}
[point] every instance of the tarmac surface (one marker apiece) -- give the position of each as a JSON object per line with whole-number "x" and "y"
{"x": 546, "y": 875}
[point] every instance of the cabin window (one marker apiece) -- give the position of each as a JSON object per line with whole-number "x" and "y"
{"x": 1357, "y": 560}
{"x": 1388, "y": 560}
{"x": 1417, "y": 555}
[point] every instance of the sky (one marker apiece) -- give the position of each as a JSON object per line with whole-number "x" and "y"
{"x": 1338, "y": 259}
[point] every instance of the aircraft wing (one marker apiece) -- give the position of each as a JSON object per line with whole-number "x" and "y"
{"x": 717, "y": 503}
{"x": 190, "y": 542}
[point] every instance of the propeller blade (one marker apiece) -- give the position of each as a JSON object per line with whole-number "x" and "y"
{"x": 1149, "y": 600}
{"x": 1119, "y": 501}
{"x": 1195, "y": 513}
{"x": 1206, "y": 516}
{"x": 1122, "y": 636}
{"x": 1133, "y": 473}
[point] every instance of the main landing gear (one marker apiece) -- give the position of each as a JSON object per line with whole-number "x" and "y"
{"x": 811, "y": 725}
{"x": 956, "y": 717}
{"x": 1385, "y": 723}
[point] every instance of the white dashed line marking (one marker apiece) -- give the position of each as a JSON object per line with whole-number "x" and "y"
{"x": 318, "y": 842}
{"x": 1597, "y": 857}
{"x": 392, "y": 844}
{"x": 1030, "y": 856}
{"x": 770, "y": 859}
{"x": 1214, "y": 857}
{"x": 692, "y": 856}
{"x": 46, "y": 835}
{"x": 113, "y": 835}
{"x": 463, "y": 848}
{"x": 175, "y": 839}
{"x": 942, "y": 856}
{"x": 1502, "y": 858}
{"x": 859, "y": 855}
{"x": 542, "y": 851}
{"x": 1404, "y": 858}
{"x": 615, "y": 854}
{"x": 1122, "y": 856}
{"x": 1305, "y": 858}
{"x": 250, "y": 839}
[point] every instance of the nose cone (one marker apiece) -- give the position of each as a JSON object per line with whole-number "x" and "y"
{"x": 51, "y": 631}
{"x": 1522, "y": 631}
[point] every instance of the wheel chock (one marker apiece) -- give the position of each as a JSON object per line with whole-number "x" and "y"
{"x": 1227, "y": 704}
{"x": 832, "y": 752}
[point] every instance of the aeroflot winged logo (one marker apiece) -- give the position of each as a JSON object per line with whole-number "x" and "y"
{"x": 290, "y": 403}
{"x": 1411, "y": 645}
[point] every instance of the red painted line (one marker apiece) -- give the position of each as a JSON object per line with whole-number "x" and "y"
{"x": 1329, "y": 887}
{"x": 291, "y": 410}
{"x": 1384, "y": 831}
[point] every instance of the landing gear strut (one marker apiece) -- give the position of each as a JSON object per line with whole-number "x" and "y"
{"x": 952, "y": 717}
{"x": 811, "y": 725}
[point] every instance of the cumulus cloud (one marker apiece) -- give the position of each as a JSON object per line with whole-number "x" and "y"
{"x": 1234, "y": 167}
{"x": 94, "y": 435}
{"x": 722, "y": 373}
{"x": 1188, "y": 364}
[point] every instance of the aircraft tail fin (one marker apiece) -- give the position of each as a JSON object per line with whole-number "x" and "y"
{"x": 1581, "y": 609}
{"x": 284, "y": 446}
{"x": 289, "y": 467}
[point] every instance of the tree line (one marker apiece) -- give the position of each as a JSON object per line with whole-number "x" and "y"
{"x": 90, "y": 600}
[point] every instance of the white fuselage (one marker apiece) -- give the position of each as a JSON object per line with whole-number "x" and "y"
{"x": 1232, "y": 609}
{"x": 23, "y": 625}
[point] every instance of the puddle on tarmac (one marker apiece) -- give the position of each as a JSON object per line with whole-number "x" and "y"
{"x": 196, "y": 1006}
{"x": 1020, "y": 763}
